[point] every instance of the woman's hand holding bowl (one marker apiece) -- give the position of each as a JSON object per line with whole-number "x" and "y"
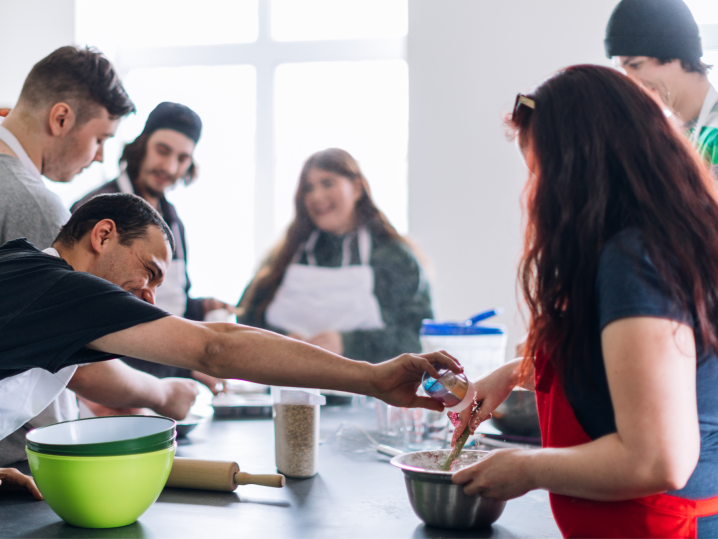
{"x": 502, "y": 474}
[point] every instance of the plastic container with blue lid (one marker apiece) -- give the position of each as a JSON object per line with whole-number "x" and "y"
{"x": 479, "y": 347}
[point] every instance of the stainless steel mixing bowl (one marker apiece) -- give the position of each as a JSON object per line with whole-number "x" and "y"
{"x": 436, "y": 500}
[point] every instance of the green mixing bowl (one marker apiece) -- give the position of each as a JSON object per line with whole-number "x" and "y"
{"x": 101, "y": 492}
{"x": 103, "y": 436}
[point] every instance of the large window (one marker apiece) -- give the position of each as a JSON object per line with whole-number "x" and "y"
{"x": 273, "y": 81}
{"x": 706, "y": 15}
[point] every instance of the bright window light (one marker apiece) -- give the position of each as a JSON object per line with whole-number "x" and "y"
{"x": 308, "y": 20}
{"x": 711, "y": 58}
{"x": 360, "y": 107}
{"x": 218, "y": 210}
{"x": 165, "y": 23}
{"x": 704, "y": 11}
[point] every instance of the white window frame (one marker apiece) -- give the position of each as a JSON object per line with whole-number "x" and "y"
{"x": 265, "y": 54}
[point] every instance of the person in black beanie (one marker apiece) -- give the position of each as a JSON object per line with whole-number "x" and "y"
{"x": 657, "y": 43}
{"x": 156, "y": 160}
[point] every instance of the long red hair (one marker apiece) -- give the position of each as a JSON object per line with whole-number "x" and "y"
{"x": 605, "y": 158}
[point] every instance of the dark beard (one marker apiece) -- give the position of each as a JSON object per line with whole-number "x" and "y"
{"x": 153, "y": 192}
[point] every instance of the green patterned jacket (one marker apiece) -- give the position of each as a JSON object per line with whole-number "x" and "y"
{"x": 707, "y": 143}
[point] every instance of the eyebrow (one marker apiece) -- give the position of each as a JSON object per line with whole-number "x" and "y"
{"x": 158, "y": 270}
{"x": 171, "y": 149}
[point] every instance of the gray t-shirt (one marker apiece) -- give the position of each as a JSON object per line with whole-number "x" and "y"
{"x": 27, "y": 208}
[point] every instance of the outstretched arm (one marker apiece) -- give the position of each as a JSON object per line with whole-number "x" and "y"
{"x": 235, "y": 351}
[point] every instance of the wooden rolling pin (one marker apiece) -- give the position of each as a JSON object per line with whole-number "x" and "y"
{"x": 216, "y": 475}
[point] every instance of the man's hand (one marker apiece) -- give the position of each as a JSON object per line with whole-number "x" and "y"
{"x": 215, "y": 385}
{"x": 12, "y": 478}
{"x": 212, "y": 304}
{"x": 328, "y": 340}
{"x": 178, "y": 396}
{"x": 397, "y": 380}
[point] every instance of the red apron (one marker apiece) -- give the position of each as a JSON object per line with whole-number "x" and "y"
{"x": 660, "y": 515}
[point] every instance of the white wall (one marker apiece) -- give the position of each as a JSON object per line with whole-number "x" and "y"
{"x": 467, "y": 60}
{"x": 31, "y": 29}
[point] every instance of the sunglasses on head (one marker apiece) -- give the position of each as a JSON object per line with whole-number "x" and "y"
{"x": 521, "y": 99}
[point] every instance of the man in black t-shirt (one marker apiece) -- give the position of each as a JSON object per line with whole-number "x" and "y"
{"x": 94, "y": 301}
{"x": 71, "y": 102}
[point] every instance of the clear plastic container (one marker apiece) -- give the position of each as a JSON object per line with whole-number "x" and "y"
{"x": 296, "y": 430}
{"x": 479, "y": 348}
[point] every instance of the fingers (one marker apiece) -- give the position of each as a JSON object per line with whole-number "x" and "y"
{"x": 464, "y": 476}
{"x": 14, "y": 478}
{"x": 444, "y": 359}
{"x": 426, "y": 402}
{"x": 29, "y": 484}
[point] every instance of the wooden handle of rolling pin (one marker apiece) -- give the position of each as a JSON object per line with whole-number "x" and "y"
{"x": 216, "y": 475}
{"x": 266, "y": 480}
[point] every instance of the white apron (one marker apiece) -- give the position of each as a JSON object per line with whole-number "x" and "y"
{"x": 172, "y": 295}
{"x": 312, "y": 299}
{"x": 34, "y": 393}
{"x": 708, "y": 104}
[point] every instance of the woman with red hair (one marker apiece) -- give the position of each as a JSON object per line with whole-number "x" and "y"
{"x": 620, "y": 276}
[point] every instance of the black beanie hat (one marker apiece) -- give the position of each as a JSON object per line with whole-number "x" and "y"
{"x": 176, "y": 117}
{"x": 656, "y": 28}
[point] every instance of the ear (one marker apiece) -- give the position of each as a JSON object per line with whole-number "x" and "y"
{"x": 103, "y": 235}
{"x": 358, "y": 185}
{"x": 62, "y": 119}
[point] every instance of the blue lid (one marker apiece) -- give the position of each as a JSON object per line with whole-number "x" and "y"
{"x": 432, "y": 327}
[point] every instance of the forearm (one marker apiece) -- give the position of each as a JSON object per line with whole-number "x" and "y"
{"x": 243, "y": 352}
{"x": 236, "y": 351}
{"x": 115, "y": 384}
{"x": 603, "y": 470}
{"x": 509, "y": 376}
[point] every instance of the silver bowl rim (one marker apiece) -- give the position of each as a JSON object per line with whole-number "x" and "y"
{"x": 395, "y": 461}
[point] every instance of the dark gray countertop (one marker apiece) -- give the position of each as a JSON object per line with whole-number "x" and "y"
{"x": 353, "y": 496}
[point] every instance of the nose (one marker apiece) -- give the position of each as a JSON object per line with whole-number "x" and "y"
{"x": 172, "y": 166}
{"x": 99, "y": 154}
{"x": 316, "y": 195}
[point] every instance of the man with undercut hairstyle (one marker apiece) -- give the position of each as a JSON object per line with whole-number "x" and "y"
{"x": 70, "y": 103}
{"x": 657, "y": 43}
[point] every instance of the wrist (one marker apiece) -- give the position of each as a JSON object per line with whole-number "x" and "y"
{"x": 158, "y": 395}
{"x": 530, "y": 465}
{"x": 369, "y": 377}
